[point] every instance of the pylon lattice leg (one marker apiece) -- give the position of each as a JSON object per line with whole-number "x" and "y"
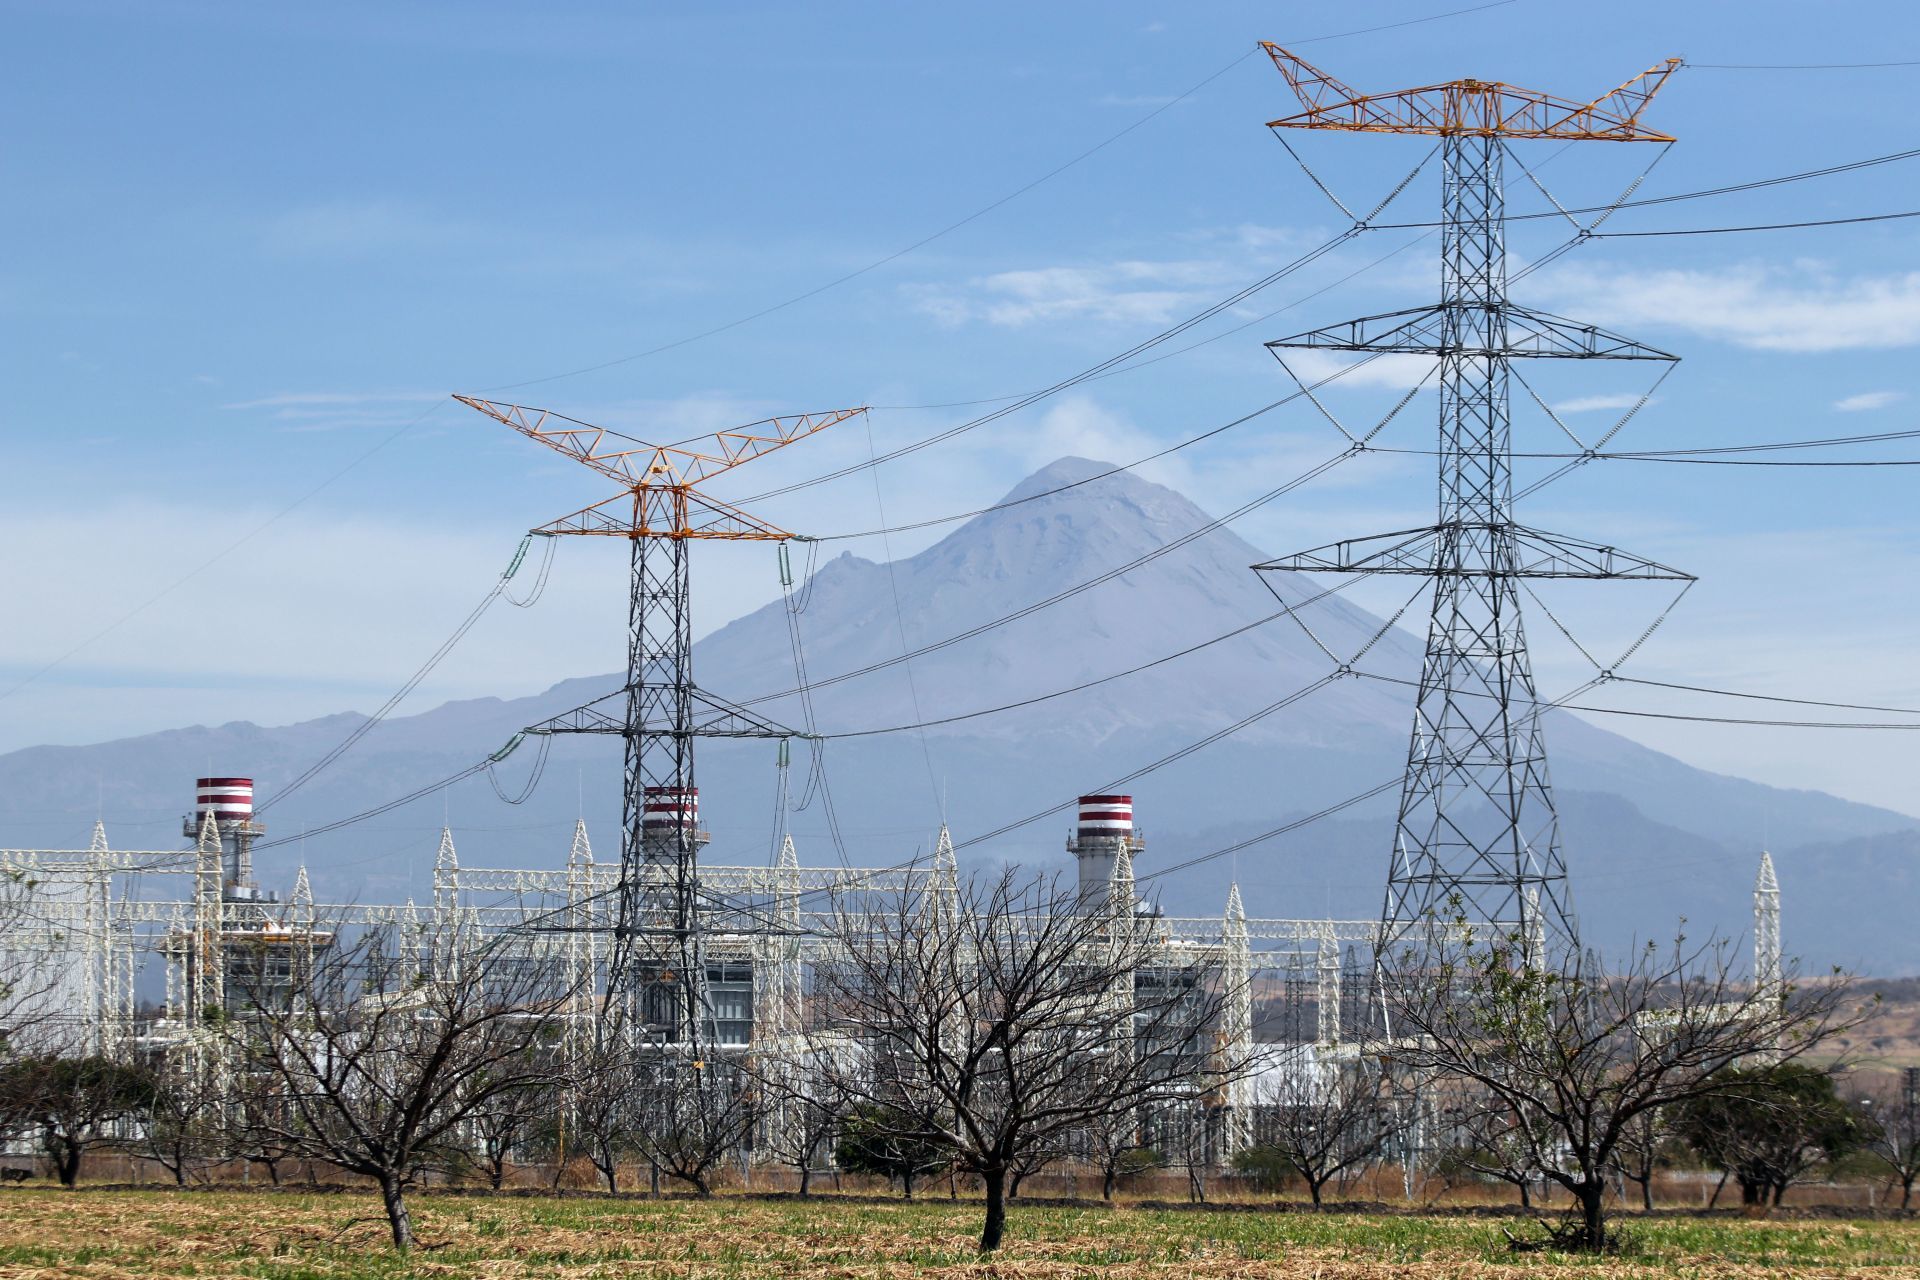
{"x": 658, "y": 974}
{"x": 1477, "y": 835}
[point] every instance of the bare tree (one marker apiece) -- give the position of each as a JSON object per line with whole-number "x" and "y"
{"x": 1115, "y": 1145}
{"x": 801, "y": 1117}
{"x": 376, "y": 1063}
{"x": 601, "y": 1086}
{"x": 187, "y": 1121}
{"x": 601, "y": 1100}
{"x": 1644, "y": 1143}
{"x": 498, "y": 1126}
{"x": 1584, "y": 1053}
{"x": 1324, "y": 1119}
{"x": 1191, "y": 1127}
{"x": 1028, "y": 1163}
{"x": 995, "y": 1017}
{"x": 1485, "y": 1136}
{"x": 1894, "y": 1137}
{"x": 692, "y": 1114}
{"x": 262, "y": 1120}
{"x": 31, "y": 1011}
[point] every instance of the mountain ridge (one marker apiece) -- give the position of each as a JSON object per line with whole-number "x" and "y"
{"x": 984, "y": 771}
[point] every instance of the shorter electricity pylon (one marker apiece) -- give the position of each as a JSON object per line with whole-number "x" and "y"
{"x": 656, "y": 977}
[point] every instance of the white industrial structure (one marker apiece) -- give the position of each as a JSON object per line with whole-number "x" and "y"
{"x": 99, "y": 917}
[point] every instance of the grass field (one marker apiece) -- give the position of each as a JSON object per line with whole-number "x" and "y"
{"x": 295, "y": 1236}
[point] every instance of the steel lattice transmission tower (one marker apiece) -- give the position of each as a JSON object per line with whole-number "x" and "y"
{"x": 656, "y": 973}
{"x": 1477, "y": 836}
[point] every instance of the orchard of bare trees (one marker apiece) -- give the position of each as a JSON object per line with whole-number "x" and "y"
{"x": 971, "y": 1035}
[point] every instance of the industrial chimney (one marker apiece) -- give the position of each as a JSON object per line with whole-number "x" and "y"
{"x": 1105, "y": 829}
{"x": 666, "y": 812}
{"x": 230, "y": 801}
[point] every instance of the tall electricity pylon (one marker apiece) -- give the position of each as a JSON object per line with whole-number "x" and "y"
{"x": 1477, "y": 839}
{"x": 656, "y": 977}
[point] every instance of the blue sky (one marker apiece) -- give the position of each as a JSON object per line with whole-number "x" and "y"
{"x": 250, "y": 243}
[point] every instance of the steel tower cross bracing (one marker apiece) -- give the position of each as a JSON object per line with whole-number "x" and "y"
{"x": 1477, "y": 835}
{"x": 656, "y": 971}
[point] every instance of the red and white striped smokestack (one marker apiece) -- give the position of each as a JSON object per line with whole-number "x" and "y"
{"x": 670, "y": 807}
{"x": 228, "y": 799}
{"x": 1105, "y": 817}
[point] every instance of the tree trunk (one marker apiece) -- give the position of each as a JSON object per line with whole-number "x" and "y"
{"x": 906, "y": 1183}
{"x": 1526, "y": 1192}
{"x": 1906, "y": 1194}
{"x": 1013, "y": 1184}
{"x": 996, "y": 1224}
{"x": 394, "y": 1198}
{"x": 1106, "y": 1183}
{"x": 1593, "y": 1215}
{"x": 1646, "y": 1193}
{"x": 65, "y": 1154}
{"x": 1313, "y": 1189}
{"x": 806, "y": 1176}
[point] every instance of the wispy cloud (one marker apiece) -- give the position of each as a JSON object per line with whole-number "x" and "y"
{"x": 1589, "y": 404}
{"x": 296, "y": 411}
{"x": 1803, "y": 308}
{"x": 1393, "y": 372}
{"x": 1119, "y": 292}
{"x": 1868, "y": 400}
{"x": 314, "y": 399}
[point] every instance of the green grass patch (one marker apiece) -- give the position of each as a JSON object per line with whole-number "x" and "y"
{"x": 337, "y": 1237}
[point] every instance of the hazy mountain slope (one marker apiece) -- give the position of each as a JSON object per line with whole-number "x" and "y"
{"x": 1626, "y": 806}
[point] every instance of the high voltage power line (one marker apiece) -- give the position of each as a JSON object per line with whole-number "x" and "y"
{"x": 1113, "y": 365}
{"x": 983, "y": 210}
{"x": 806, "y": 687}
{"x": 407, "y": 427}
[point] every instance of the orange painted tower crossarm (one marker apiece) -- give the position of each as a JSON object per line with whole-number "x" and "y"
{"x": 1484, "y": 107}
{"x": 639, "y": 462}
{"x": 659, "y": 479}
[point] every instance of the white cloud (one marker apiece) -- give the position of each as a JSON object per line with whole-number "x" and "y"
{"x": 1391, "y": 372}
{"x": 339, "y": 609}
{"x": 311, "y": 399}
{"x": 1868, "y": 400}
{"x": 338, "y": 410}
{"x": 1802, "y": 308}
{"x": 1588, "y": 404}
{"x": 1082, "y": 427}
{"x": 1131, "y": 292}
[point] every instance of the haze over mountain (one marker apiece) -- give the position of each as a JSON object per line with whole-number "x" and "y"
{"x": 1649, "y": 838}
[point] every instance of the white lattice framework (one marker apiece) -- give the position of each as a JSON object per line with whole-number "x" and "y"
{"x": 114, "y": 911}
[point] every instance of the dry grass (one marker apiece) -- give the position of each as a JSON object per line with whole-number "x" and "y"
{"x": 116, "y": 1234}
